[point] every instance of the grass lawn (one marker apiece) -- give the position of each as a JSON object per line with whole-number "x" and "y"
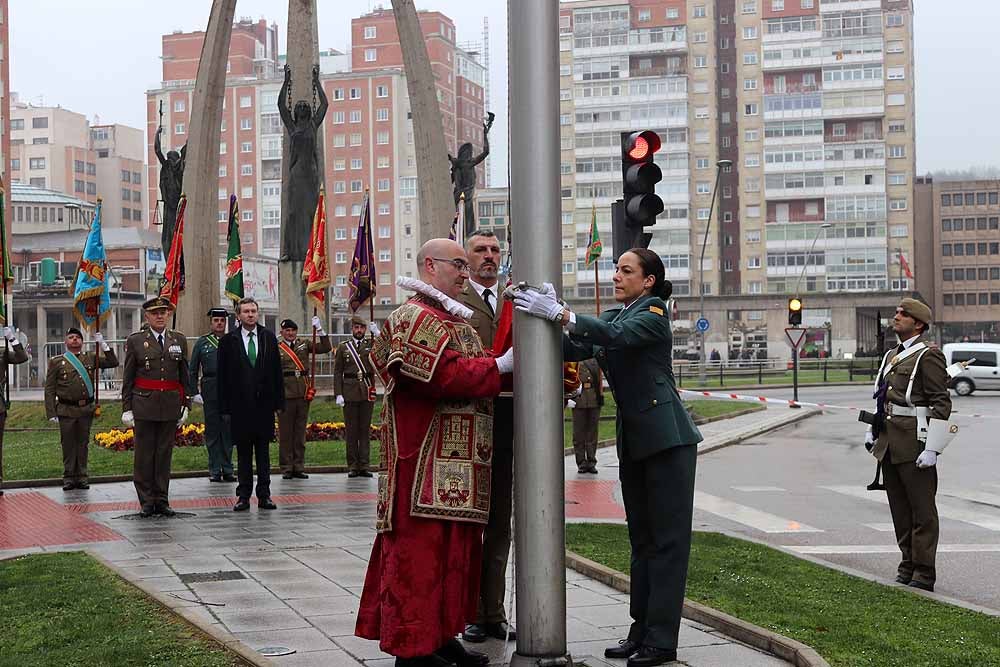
{"x": 849, "y": 621}
{"x": 67, "y": 609}
{"x": 35, "y": 453}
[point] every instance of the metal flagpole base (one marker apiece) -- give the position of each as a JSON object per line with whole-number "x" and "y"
{"x": 518, "y": 660}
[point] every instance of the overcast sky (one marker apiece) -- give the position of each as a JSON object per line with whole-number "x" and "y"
{"x": 98, "y": 57}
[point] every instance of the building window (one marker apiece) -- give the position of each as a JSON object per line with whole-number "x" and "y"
{"x": 223, "y": 193}
{"x": 897, "y": 151}
{"x": 384, "y": 232}
{"x": 246, "y": 170}
{"x": 369, "y": 55}
{"x": 753, "y": 262}
{"x": 338, "y": 117}
{"x": 383, "y": 209}
{"x": 40, "y": 123}
{"x": 246, "y": 123}
{"x": 701, "y": 163}
{"x": 383, "y": 185}
{"x": 895, "y": 100}
{"x": 751, "y": 135}
{"x": 897, "y": 178}
{"x": 246, "y": 192}
{"x": 749, "y": 84}
{"x": 749, "y": 6}
{"x": 752, "y": 160}
{"x": 750, "y": 58}
{"x": 750, "y": 32}
{"x": 699, "y": 37}
{"x": 382, "y": 114}
{"x": 245, "y": 102}
{"x": 701, "y": 112}
{"x": 222, "y": 148}
{"x": 370, "y": 32}
{"x": 340, "y": 257}
{"x": 381, "y": 91}
{"x": 382, "y": 162}
{"x": 355, "y": 116}
{"x": 36, "y": 162}
{"x": 382, "y": 138}
{"x": 807, "y": 4}
{"x": 355, "y": 93}
{"x": 356, "y": 186}
{"x": 699, "y": 12}
{"x": 894, "y": 46}
{"x": 896, "y": 126}
{"x": 644, "y": 15}
{"x": 356, "y": 139}
{"x": 223, "y": 171}
{"x": 945, "y": 200}
{"x": 339, "y": 140}
{"x": 246, "y": 147}
{"x": 384, "y": 255}
{"x": 673, "y": 13}
{"x": 179, "y": 105}
{"x": 750, "y": 109}
{"x": 355, "y": 163}
{"x": 339, "y": 187}
{"x": 893, "y": 20}
{"x": 777, "y": 5}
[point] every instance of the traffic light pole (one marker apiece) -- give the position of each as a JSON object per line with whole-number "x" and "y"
{"x": 539, "y": 504}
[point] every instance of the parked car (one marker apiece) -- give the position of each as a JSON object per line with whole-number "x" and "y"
{"x": 982, "y": 374}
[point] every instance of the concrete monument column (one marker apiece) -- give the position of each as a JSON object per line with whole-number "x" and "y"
{"x": 201, "y": 173}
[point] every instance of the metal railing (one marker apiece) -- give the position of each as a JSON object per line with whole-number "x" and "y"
{"x": 774, "y": 370}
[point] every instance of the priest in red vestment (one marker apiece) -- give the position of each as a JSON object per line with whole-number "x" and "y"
{"x": 422, "y": 584}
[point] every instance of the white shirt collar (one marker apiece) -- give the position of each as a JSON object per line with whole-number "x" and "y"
{"x": 909, "y": 341}
{"x": 479, "y": 289}
{"x": 246, "y": 333}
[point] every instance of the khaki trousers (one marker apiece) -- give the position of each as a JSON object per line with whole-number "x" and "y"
{"x": 74, "y": 435}
{"x": 154, "y": 449}
{"x": 911, "y": 492}
{"x": 292, "y": 435}
{"x": 585, "y": 423}
{"x": 357, "y": 427}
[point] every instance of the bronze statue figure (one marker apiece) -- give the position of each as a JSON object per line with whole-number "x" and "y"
{"x": 171, "y": 186}
{"x": 304, "y": 176}
{"x": 463, "y": 173}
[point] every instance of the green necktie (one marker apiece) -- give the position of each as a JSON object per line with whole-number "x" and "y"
{"x": 252, "y": 350}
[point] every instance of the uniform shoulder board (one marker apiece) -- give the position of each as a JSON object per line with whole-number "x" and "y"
{"x": 657, "y": 310}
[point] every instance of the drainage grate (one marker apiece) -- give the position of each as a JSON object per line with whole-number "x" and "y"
{"x": 220, "y": 575}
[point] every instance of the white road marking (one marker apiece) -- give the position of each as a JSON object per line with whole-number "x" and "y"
{"x": 987, "y": 520}
{"x": 881, "y": 527}
{"x": 754, "y": 489}
{"x": 762, "y": 521}
{"x": 888, "y": 549}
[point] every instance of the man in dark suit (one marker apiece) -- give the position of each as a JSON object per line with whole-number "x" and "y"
{"x": 250, "y": 392}
{"x": 480, "y": 294}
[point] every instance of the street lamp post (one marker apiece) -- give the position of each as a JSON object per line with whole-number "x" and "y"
{"x": 719, "y": 166}
{"x": 795, "y": 350}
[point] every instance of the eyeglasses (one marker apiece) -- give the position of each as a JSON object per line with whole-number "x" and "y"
{"x": 460, "y": 264}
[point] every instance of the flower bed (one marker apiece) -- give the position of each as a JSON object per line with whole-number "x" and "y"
{"x": 193, "y": 435}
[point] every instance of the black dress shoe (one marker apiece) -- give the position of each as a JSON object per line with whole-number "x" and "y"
{"x": 300, "y": 475}
{"x": 582, "y": 470}
{"x": 592, "y": 470}
{"x": 500, "y": 631}
{"x": 365, "y": 473}
{"x": 287, "y": 475}
{"x": 453, "y": 651}
{"x": 922, "y": 585}
{"x": 266, "y": 504}
{"x": 353, "y": 473}
{"x": 229, "y": 478}
{"x": 650, "y": 656}
{"x": 146, "y": 511}
{"x": 68, "y": 486}
{"x": 215, "y": 478}
{"x": 242, "y": 505}
{"x": 83, "y": 485}
{"x": 626, "y": 649}
{"x": 164, "y": 509}
{"x": 474, "y": 633}
{"x": 903, "y": 578}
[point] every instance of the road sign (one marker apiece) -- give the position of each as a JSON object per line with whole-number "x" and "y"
{"x": 795, "y": 335}
{"x": 702, "y": 324}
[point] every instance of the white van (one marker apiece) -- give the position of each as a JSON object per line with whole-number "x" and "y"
{"x": 982, "y": 374}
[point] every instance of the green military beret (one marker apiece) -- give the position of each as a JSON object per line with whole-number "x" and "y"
{"x": 917, "y": 310}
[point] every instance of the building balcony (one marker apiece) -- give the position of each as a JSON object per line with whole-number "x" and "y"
{"x": 793, "y": 106}
{"x": 783, "y": 194}
{"x": 863, "y": 84}
{"x": 792, "y": 36}
{"x": 793, "y": 114}
{"x": 830, "y": 6}
{"x": 812, "y": 139}
{"x": 855, "y": 189}
{"x": 627, "y": 100}
{"x": 777, "y": 64}
{"x": 795, "y": 271}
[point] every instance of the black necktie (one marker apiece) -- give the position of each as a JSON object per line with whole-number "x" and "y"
{"x": 486, "y": 299}
{"x": 159, "y": 338}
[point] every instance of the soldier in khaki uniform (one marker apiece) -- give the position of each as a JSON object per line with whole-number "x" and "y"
{"x": 69, "y": 400}
{"x": 155, "y": 400}
{"x": 912, "y": 403}
{"x": 14, "y": 353}
{"x": 294, "y": 354}
{"x": 351, "y": 384}
{"x": 586, "y": 416}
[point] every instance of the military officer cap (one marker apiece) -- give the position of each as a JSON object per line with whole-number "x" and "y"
{"x": 73, "y": 331}
{"x": 917, "y": 310}
{"x": 217, "y": 312}
{"x": 157, "y": 303}
{"x": 358, "y": 320}
{"x": 289, "y": 324}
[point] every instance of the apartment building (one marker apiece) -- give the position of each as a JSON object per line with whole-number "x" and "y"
{"x": 368, "y": 139}
{"x": 58, "y": 149}
{"x": 810, "y": 105}
{"x": 957, "y": 243}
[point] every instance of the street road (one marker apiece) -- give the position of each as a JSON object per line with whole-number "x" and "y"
{"x": 803, "y": 487}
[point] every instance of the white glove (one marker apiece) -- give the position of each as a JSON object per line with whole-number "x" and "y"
{"x": 198, "y": 399}
{"x": 184, "y": 417}
{"x": 53, "y": 419}
{"x": 505, "y": 362}
{"x": 927, "y": 459}
{"x": 99, "y": 337}
{"x": 340, "y": 400}
{"x": 373, "y": 329}
{"x": 128, "y": 418}
{"x": 317, "y": 325}
{"x": 571, "y": 404}
{"x": 8, "y": 333}
{"x": 539, "y": 303}
{"x": 869, "y": 440}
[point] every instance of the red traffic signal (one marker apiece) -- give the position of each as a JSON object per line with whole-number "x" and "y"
{"x": 640, "y": 146}
{"x": 639, "y": 178}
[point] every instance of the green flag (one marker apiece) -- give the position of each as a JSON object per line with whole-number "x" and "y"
{"x": 595, "y": 248}
{"x": 234, "y": 255}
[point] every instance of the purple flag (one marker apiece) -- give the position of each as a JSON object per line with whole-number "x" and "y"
{"x": 362, "y": 278}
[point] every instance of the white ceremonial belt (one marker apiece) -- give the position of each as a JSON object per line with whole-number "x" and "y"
{"x": 900, "y": 410}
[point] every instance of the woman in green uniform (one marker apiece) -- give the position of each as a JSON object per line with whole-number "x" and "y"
{"x": 657, "y": 442}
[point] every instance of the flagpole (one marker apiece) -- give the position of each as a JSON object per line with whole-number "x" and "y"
{"x": 312, "y": 358}
{"x": 97, "y": 362}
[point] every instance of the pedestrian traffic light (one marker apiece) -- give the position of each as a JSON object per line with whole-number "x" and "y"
{"x": 640, "y": 204}
{"x": 795, "y": 311}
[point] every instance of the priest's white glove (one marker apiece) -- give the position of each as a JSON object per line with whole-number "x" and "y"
{"x": 128, "y": 418}
{"x": 99, "y": 337}
{"x": 198, "y": 399}
{"x": 8, "y": 333}
{"x": 340, "y": 401}
{"x": 505, "y": 362}
{"x": 927, "y": 459}
{"x": 539, "y": 303}
{"x": 184, "y": 417}
{"x": 373, "y": 329}
{"x": 571, "y": 404}
{"x": 318, "y": 325}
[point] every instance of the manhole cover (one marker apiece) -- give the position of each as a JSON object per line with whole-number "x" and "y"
{"x": 200, "y": 577}
{"x": 275, "y": 650}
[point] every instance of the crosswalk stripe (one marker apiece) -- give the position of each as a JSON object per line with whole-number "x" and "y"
{"x": 881, "y": 527}
{"x": 887, "y": 549}
{"x": 947, "y": 510}
{"x": 754, "y": 489}
{"x": 973, "y": 496}
{"x": 762, "y": 521}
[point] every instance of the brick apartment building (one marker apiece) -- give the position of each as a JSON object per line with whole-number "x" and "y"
{"x": 367, "y": 132}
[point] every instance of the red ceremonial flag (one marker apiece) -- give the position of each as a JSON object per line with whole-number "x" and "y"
{"x": 173, "y": 284}
{"x": 905, "y": 265}
{"x": 504, "y": 337}
{"x": 316, "y": 269}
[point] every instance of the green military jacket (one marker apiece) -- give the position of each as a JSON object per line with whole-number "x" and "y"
{"x": 146, "y": 360}
{"x": 205, "y": 363}
{"x": 634, "y": 347}
{"x": 65, "y": 391}
{"x": 15, "y": 354}
{"x": 930, "y": 390}
{"x": 591, "y": 385}
{"x": 347, "y": 380}
{"x": 295, "y": 380}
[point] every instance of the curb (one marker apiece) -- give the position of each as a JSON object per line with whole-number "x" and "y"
{"x": 700, "y": 420}
{"x": 783, "y": 647}
{"x": 797, "y": 416}
{"x": 856, "y": 383}
{"x": 226, "y": 640}
{"x": 188, "y": 474}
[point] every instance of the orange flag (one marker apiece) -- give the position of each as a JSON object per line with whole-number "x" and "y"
{"x": 316, "y": 269}
{"x": 173, "y": 285}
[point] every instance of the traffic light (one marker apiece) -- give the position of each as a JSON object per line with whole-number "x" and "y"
{"x": 795, "y": 311}
{"x": 640, "y": 204}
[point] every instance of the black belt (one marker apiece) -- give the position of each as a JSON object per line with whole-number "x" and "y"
{"x": 351, "y": 376}
{"x": 294, "y": 374}
{"x": 78, "y": 404}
